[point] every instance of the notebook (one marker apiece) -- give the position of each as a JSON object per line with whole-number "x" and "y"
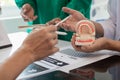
{"x": 4, "y": 40}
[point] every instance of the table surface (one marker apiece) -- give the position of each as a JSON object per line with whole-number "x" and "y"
{"x": 17, "y": 38}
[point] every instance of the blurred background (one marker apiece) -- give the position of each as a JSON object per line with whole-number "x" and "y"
{"x": 10, "y": 14}
{"x": 11, "y": 19}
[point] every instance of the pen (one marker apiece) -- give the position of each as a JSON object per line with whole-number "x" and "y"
{"x": 30, "y": 29}
{"x": 62, "y": 21}
{"x": 58, "y": 32}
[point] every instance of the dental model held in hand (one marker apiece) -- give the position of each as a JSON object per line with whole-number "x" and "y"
{"x": 85, "y": 33}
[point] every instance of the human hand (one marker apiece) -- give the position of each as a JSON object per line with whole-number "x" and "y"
{"x": 41, "y": 43}
{"x": 83, "y": 73}
{"x": 53, "y": 21}
{"x": 71, "y": 22}
{"x": 98, "y": 44}
{"x": 27, "y": 12}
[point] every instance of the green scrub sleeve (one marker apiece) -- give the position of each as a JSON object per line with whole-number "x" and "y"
{"x": 20, "y": 3}
{"x": 82, "y": 6}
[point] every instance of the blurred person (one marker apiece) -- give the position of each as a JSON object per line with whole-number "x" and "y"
{"x": 43, "y": 11}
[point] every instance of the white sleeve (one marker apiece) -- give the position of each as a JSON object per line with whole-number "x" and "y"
{"x": 109, "y": 25}
{"x": 109, "y": 28}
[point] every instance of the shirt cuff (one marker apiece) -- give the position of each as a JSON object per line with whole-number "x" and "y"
{"x": 109, "y": 28}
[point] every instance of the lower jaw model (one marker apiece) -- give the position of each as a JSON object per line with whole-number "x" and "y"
{"x": 85, "y": 33}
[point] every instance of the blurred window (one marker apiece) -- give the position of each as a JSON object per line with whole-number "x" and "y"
{"x": 9, "y": 9}
{"x": 7, "y": 2}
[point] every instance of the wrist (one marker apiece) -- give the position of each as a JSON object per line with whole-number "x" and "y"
{"x": 26, "y": 54}
{"x": 108, "y": 44}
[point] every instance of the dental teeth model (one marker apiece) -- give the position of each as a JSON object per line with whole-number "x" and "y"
{"x": 85, "y": 33}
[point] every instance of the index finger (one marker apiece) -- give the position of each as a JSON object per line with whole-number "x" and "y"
{"x": 76, "y": 14}
{"x": 26, "y": 7}
{"x": 51, "y": 28}
{"x": 68, "y": 10}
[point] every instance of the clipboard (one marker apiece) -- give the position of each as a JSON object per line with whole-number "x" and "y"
{"x": 4, "y": 40}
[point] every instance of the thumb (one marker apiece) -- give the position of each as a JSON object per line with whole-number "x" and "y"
{"x": 26, "y": 7}
{"x": 76, "y": 14}
{"x": 68, "y": 10}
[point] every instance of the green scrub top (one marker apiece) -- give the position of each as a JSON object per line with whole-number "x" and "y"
{"x": 49, "y": 9}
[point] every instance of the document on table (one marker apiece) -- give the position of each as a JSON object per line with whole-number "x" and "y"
{"x": 82, "y": 58}
{"x": 4, "y": 40}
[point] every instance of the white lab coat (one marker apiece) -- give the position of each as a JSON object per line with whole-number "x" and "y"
{"x": 112, "y": 30}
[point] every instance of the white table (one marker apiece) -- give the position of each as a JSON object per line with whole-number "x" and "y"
{"x": 18, "y": 37}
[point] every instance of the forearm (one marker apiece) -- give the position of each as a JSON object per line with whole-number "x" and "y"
{"x": 13, "y": 66}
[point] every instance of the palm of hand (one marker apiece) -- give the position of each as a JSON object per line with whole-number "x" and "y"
{"x": 99, "y": 44}
{"x": 71, "y": 23}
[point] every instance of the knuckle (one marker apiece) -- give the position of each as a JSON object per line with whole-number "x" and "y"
{"x": 48, "y": 36}
{"x": 44, "y": 32}
{"x": 74, "y": 11}
{"x": 50, "y": 44}
{"x": 54, "y": 50}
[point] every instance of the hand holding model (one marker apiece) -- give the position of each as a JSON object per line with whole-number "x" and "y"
{"x": 98, "y": 44}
